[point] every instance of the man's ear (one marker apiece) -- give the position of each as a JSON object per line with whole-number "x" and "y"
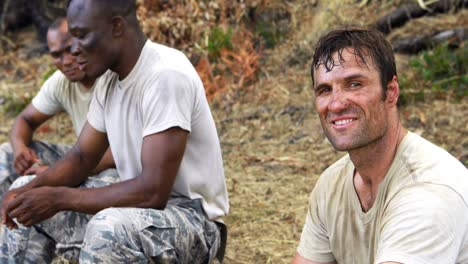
{"x": 118, "y": 26}
{"x": 393, "y": 91}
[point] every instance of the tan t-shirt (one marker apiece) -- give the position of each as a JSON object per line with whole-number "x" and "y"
{"x": 420, "y": 214}
{"x": 163, "y": 90}
{"x": 60, "y": 94}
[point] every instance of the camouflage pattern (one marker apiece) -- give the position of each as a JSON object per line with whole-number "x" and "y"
{"x": 48, "y": 153}
{"x": 178, "y": 234}
{"x": 60, "y": 235}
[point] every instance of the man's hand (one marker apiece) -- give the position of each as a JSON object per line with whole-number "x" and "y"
{"x": 34, "y": 206}
{"x": 24, "y": 159}
{"x": 7, "y": 198}
{"x": 34, "y": 170}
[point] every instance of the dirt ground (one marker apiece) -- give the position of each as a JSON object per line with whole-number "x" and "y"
{"x": 273, "y": 145}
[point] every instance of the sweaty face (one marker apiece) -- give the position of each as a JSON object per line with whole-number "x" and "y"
{"x": 350, "y": 104}
{"x": 90, "y": 32}
{"x": 59, "y": 42}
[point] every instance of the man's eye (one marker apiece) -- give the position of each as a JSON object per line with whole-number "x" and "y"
{"x": 323, "y": 90}
{"x": 79, "y": 34}
{"x": 55, "y": 55}
{"x": 355, "y": 84}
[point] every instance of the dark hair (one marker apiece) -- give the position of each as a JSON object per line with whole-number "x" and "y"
{"x": 118, "y": 7}
{"x": 365, "y": 42}
{"x": 115, "y": 7}
{"x": 57, "y": 23}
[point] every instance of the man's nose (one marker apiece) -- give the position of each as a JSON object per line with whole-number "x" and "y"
{"x": 75, "y": 49}
{"x": 339, "y": 101}
{"x": 68, "y": 58}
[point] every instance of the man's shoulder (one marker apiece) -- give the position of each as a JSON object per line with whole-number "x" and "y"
{"x": 430, "y": 164}
{"x": 338, "y": 167}
{"x": 167, "y": 59}
{"x": 57, "y": 85}
{"x": 419, "y": 153}
{"x": 335, "y": 175}
{"x": 58, "y": 79}
{"x": 426, "y": 158}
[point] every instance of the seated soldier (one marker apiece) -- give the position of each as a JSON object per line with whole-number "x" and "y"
{"x": 153, "y": 112}
{"x": 69, "y": 90}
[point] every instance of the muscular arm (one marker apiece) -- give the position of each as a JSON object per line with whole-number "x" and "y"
{"x": 151, "y": 189}
{"x": 44, "y": 196}
{"x": 298, "y": 259}
{"x": 77, "y": 164}
{"x": 21, "y": 135}
{"x": 161, "y": 156}
{"x": 107, "y": 162}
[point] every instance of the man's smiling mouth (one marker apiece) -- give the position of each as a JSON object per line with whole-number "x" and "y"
{"x": 343, "y": 122}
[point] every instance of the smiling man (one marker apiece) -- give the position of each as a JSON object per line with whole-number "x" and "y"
{"x": 395, "y": 198}
{"x": 67, "y": 90}
{"x": 153, "y": 113}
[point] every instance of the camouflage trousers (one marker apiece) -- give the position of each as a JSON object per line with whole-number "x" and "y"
{"x": 34, "y": 245}
{"x": 178, "y": 234}
{"x": 48, "y": 153}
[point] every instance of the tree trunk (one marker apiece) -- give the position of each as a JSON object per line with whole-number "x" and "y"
{"x": 404, "y": 13}
{"x": 415, "y": 44}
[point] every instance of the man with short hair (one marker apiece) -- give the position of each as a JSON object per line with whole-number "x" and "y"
{"x": 69, "y": 90}
{"x": 153, "y": 112}
{"x": 395, "y": 198}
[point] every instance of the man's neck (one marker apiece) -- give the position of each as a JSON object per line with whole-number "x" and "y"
{"x": 130, "y": 55}
{"x": 373, "y": 162}
{"x": 87, "y": 83}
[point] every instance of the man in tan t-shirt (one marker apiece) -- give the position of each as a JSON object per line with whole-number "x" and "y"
{"x": 395, "y": 198}
{"x": 69, "y": 90}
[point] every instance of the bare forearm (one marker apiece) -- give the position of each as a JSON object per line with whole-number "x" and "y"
{"x": 70, "y": 171}
{"x": 129, "y": 193}
{"x": 21, "y": 134}
{"x": 106, "y": 162}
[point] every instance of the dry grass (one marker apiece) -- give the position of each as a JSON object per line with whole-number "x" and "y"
{"x": 273, "y": 145}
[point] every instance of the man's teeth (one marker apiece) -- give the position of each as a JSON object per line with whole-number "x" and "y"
{"x": 343, "y": 122}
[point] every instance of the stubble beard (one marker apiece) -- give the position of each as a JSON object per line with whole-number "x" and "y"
{"x": 363, "y": 136}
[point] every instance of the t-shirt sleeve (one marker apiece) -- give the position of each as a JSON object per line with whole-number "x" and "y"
{"x": 47, "y": 100}
{"x": 423, "y": 224}
{"x": 314, "y": 244}
{"x": 168, "y": 101}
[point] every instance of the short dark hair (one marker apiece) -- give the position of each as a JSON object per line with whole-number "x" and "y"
{"x": 115, "y": 7}
{"x": 365, "y": 42}
{"x": 118, "y": 7}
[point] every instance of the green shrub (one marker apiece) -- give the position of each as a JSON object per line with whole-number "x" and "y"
{"x": 439, "y": 72}
{"x": 14, "y": 104}
{"x": 47, "y": 74}
{"x": 218, "y": 40}
{"x": 269, "y": 33}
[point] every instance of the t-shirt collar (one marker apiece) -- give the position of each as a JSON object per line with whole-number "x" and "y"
{"x": 134, "y": 72}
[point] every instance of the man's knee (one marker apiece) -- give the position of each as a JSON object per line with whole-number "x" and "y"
{"x": 6, "y": 147}
{"x": 108, "y": 238}
{"x": 23, "y": 180}
{"x": 110, "y": 223}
